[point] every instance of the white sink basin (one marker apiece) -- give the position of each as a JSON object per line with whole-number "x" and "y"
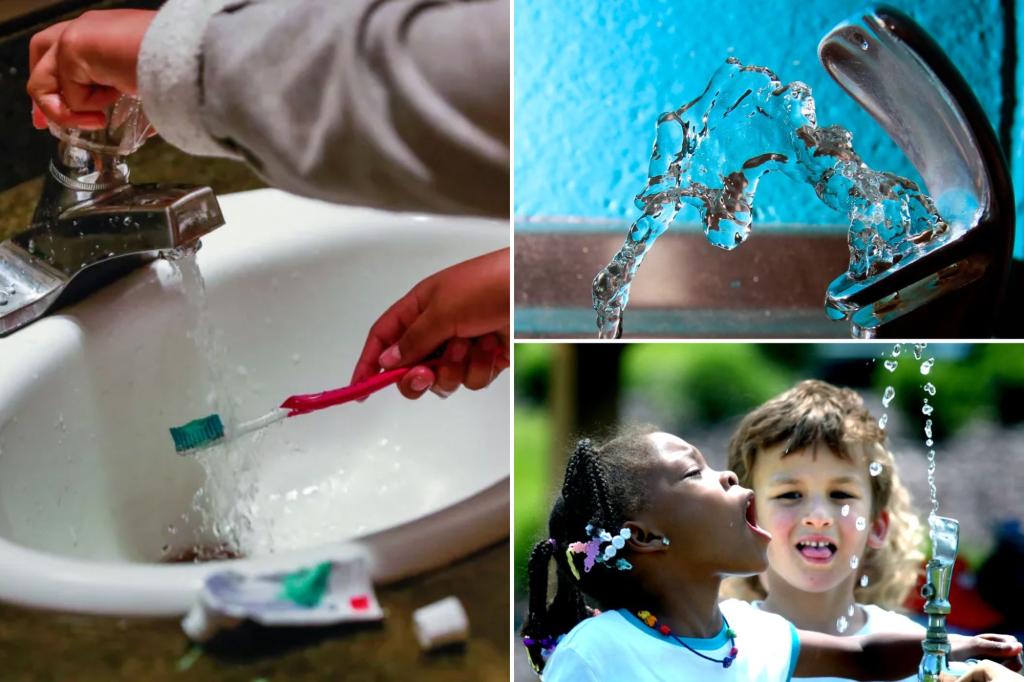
{"x": 93, "y": 499}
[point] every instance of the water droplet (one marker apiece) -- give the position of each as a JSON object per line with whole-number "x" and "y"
{"x": 875, "y": 468}
{"x": 845, "y": 510}
{"x": 927, "y": 409}
{"x": 864, "y": 45}
{"x": 929, "y": 388}
{"x": 928, "y": 428}
{"x": 887, "y": 397}
{"x": 854, "y": 561}
{"x": 127, "y": 220}
{"x": 927, "y": 365}
{"x": 896, "y": 350}
{"x": 883, "y": 420}
{"x": 928, "y": 443}
{"x": 864, "y": 581}
{"x": 918, "y": 349}
{"x": 172, "y": 529}
{"x": 850, "y": 611}
{"x": 891, "y": 365}
{"x": 841, "y": 624}
{"x": 861, "y": 524}
{"x": 165, "y": 549}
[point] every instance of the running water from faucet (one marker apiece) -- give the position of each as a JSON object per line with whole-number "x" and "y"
{"x": 711, "y": 154}
{"x": 238, "y": 514}
{"x": 229, "y": 483}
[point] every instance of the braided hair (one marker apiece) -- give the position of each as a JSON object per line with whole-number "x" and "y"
{"x": 603, "y": 487}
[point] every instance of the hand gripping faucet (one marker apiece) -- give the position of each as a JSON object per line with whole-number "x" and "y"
{"x": 951, "y": 286}
{"x": 91, "y": 226}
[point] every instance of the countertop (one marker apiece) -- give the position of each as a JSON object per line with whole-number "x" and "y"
{"x": 52, "y": 646}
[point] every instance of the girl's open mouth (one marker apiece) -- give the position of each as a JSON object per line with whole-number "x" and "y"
{"x": 816, "y": 549}
{"x": 750, "y": 516}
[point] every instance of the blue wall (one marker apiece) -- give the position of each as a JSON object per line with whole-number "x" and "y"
{"x": 591, "y": 77}
{"x": 1017, "y": 155}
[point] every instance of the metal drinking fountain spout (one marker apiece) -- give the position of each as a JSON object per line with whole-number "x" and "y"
{"x": 945, "y": 534}
{"x": 91, "y": 225}
{"x": 952, "y": 285}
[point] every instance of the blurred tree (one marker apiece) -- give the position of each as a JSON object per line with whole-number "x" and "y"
{"x": 598, "y": 366}
{"x": 533, "y": 372}
{"x": 703, "y": 382}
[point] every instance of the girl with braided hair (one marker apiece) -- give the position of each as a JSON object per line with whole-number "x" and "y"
{"x": 644, "y": 530}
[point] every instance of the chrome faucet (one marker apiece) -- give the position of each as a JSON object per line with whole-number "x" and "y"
{"x": 945, "y": 534}
{"x": 950, "y": 287}
{"x": 91, "y": 225}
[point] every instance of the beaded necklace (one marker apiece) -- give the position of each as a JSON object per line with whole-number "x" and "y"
{"x": 650, "y": 621}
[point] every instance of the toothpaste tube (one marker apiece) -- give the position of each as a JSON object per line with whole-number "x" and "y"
{"x": 325, "y": 594}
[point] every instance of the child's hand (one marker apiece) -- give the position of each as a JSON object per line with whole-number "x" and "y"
{"x": 80, "y": 67}
{"x": 463, "y": 308}
{"x": 1002, "y": 648}
{"x": 986, "y": 671}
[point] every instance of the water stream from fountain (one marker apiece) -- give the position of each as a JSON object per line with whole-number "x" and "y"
{"x": 712, "y": 152}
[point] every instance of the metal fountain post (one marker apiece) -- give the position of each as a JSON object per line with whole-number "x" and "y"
{"x": 945, "y": 534}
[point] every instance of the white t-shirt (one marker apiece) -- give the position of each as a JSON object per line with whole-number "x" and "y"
{"x": 617, "y": 646}
{"x": 877, "y": 620}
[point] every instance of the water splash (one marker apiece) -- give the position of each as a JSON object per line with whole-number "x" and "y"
{"x": 6, "y": 293}
{"x": 712, "y": 152}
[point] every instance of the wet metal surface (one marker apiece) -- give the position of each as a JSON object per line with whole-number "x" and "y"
{"x": 773, "y": 286}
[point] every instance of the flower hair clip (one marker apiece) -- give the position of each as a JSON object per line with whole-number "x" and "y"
{"x": 594, "y": 554}
{"x": 547, "y": 645}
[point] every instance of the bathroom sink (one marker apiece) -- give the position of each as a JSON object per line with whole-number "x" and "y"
{"x": 772, "y": 286}
{"x": 97, "y": 511}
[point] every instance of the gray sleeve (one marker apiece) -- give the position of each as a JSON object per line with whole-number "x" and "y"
{"x": 402, "y": 104}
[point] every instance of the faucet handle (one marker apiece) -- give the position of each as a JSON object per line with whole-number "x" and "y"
{"x": 126, "y": 130}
